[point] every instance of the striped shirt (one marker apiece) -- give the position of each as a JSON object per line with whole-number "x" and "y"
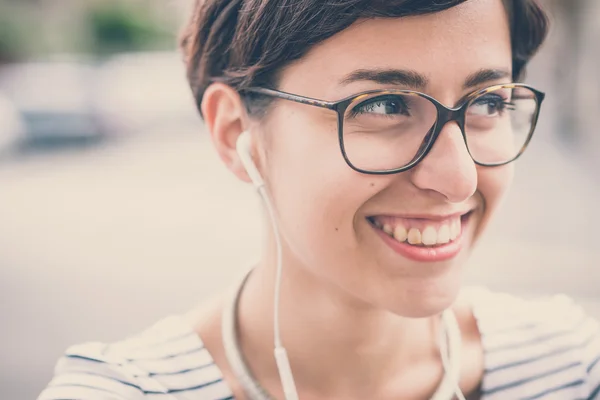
{"x": 533, "y": 349}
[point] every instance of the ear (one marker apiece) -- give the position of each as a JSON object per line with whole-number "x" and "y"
{"x": 225, "y": 116}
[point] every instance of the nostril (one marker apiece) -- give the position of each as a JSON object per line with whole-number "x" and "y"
{"x": 448, "y": 167}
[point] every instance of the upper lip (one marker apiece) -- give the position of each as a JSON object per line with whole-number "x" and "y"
{"x": 426, "y": 216}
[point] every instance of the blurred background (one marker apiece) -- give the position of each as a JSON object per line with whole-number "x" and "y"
{"x": 115, "y": 212}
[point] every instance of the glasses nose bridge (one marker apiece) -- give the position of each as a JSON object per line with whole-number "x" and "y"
{"x": 446, "y": 114}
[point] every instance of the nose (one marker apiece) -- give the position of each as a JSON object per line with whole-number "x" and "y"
{"x": 448, "y": 167}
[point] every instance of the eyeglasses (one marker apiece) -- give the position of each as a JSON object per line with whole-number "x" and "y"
{"x": 390, "y": 131}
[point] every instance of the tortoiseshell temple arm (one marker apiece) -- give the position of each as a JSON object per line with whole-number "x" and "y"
{"x": 292, "y": 97}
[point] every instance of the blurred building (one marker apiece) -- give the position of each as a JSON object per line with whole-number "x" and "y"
{"x": 570, "y": 65}
{"x": 34, "y": 28}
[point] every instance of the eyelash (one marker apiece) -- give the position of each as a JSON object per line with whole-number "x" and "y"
{"x": 370, "y": 105}
{"x": 487, "y": 99}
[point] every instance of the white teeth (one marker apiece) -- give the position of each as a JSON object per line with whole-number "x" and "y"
{"x": 414, "y": 236}
{"x": 443, "y": 235}
{"x": 455, "y": 227}
{"x": 387, "y": 228}
{"x": 429, "y": 236}
{"x": 400, "y": 233}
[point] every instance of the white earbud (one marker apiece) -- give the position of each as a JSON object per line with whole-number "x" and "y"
{"x": 244, "y": 150}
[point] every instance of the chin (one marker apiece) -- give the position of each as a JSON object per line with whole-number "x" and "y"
{"x": 426, "y": 299}
{"x": 425, "y": 309}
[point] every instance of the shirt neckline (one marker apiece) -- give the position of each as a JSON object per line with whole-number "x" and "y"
{"x": 183, "y": 323}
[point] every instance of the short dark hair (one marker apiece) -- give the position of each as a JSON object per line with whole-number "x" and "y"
{"x": 246, "y": 43}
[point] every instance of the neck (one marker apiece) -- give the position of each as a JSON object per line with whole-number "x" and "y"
{"x": 337, "y": 345}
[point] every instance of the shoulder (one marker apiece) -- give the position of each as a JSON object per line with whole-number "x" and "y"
{"x": 167, "y": 361}
{"x": 546, "y": 347}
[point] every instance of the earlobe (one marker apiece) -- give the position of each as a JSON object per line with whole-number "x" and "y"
{"x": 225, "y": 117}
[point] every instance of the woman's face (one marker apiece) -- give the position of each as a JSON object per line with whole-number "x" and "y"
{"x": 331, "y": 217}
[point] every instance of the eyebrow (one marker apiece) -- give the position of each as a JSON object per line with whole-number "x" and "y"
{"x": 415, "y": 80}
{"x": 484, "y": 76}
{"x": 408, "y": 78}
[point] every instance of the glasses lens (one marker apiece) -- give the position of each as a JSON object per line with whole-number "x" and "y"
{"x": 499, "y": 124}
{"x": 387, "y": 131}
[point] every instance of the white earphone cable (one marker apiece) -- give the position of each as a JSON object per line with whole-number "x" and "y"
{"x": 263, "y": 193}
{"x": 283, "y": 364}
{"x": 451, "y": 362}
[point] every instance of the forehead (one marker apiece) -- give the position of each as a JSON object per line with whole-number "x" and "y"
{"x": 445, "y": 47}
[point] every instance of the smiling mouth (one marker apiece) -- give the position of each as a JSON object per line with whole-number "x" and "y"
{"x": 421, "y": 232}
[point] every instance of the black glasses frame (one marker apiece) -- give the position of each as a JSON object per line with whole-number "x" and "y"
{"x": 444, "y": 115}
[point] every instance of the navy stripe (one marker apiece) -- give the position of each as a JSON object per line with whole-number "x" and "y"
{"x": 85, "y": 358}
{"x": 110, "y": 378}
{"x": 537, "y": 339}
{"x": 594, "y": 394}
{"x": 187, "y": 389}
{"x": 146, "y": 391}
{"x": 556, "y": 389}
{"x": 528, "y": 360}
{"x": 532, "y": 378}
{"x": 73, "y": 385}
{"x": 226, "y": 398}
{"x": 593, "y": 364}
{"x": 150, "y": 392}
{"x": 183, "y": 371}
{"x": 545, "y": 355}
{"x": 167, "y": 357}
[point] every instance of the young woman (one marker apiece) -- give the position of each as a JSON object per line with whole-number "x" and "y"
{"x": 381, "y": 136}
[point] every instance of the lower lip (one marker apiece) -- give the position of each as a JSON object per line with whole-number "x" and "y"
{"x": 421, "y": 253}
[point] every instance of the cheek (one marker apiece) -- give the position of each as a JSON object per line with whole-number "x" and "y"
{"x": 314, "y": 191}
{"x": 493, "y": 185}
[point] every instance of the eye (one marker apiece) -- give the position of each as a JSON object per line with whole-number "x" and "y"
{"x": 385, "y": 105}
{"x": 490, "y": 105}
